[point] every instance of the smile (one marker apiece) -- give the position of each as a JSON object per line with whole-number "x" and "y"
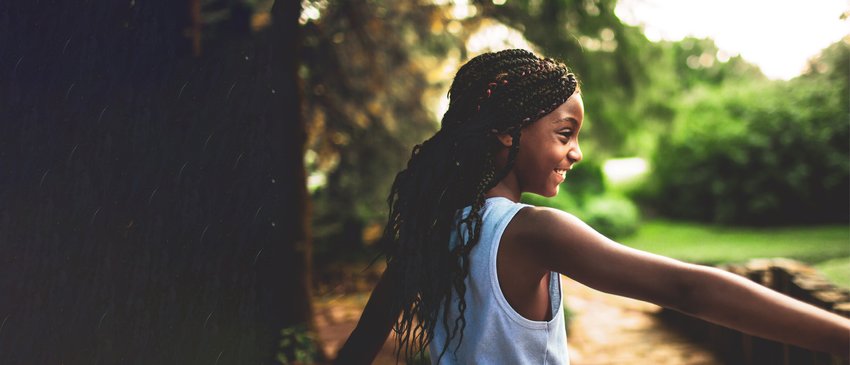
{"x": 562, "y": 172}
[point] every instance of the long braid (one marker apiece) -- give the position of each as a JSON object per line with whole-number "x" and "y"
{"x": 493, "y": 93}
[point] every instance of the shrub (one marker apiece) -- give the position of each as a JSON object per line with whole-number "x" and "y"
{"x": 764, "y": 154}
{"x": 611, "y": 215}
{"x": 296, "y": 345}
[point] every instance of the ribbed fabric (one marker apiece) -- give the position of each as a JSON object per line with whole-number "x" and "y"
{"x": 495, "y": 333}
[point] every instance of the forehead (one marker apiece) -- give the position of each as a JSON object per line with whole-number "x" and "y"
{"x": 568, "y": 113}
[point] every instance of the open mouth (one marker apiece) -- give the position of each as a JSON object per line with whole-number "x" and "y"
{"x": 562, "y": 172}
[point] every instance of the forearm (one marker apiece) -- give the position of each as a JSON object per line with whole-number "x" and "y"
{"x": 362, "y": 346}
{"x": 730, "y": 300}
{"x": 374, "y": 325}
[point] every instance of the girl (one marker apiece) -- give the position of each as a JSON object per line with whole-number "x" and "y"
{"x": 472, "y": 274}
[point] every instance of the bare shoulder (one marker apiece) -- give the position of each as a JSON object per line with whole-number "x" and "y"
{"x": 559, "y": 241}
{"x": 543, "y": 225}
{"x": 538, "y": 214}
{"x": 554, "y": 238}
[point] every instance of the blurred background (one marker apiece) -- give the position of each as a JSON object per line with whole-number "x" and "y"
{"x": 715, "y": 133}
{"x": 204, "y": 181}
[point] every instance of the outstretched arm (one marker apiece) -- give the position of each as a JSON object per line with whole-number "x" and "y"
{"x": 567, "y": 245}
{"x": 374, "y": 325}
{"x": 733, "y": 301}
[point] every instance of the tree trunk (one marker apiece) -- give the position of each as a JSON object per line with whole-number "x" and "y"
{"x": 286, "y": 270}
{"x": 153, "y": 207}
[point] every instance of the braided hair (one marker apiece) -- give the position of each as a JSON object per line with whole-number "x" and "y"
{"x": 493, "y": 93}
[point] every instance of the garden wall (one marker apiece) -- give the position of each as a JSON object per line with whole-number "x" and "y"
{"x": 785, "y": 276}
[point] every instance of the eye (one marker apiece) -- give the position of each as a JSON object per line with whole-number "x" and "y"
{"x": 567, "y": 133}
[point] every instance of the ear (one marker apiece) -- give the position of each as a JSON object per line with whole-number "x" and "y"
{"x": 505, "y": 139}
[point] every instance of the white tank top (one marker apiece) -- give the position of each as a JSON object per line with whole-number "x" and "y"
{"x": 495, "y": 333}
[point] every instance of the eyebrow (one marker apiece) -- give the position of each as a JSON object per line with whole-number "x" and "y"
{"x": 566, "y": 120}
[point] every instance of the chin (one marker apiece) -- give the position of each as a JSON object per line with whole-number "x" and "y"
{"x": 550, "y": 193}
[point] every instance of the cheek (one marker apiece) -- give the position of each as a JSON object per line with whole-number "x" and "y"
{"x": 539, "y": 162}
{"x": 541, "y": 171}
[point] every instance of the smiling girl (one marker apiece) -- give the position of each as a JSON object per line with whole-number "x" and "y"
{"x": 473, "y": 274}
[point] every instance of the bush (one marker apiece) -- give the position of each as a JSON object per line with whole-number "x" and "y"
{"x": 763, "y": 154}
{"x": 613, "y": 216}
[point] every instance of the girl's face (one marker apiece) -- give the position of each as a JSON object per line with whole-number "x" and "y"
{"x": 549, "y": 148}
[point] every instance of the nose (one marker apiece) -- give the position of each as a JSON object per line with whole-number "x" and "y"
{"x": 574, "y": 155}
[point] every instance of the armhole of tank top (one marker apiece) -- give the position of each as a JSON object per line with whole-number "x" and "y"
{"x": 555, "y": 289}
{"x": 502, "y": 301}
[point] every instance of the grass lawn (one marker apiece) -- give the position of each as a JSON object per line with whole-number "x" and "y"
{"x": 837, "y": 270}
{"x": 705, "y": 244}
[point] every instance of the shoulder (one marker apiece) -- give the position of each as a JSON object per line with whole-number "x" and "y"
{"x": 561, "y": 242}
{"x": 544, "y": 224}
{"x": 548, "y": 233}
{"x": 539, "y": 214}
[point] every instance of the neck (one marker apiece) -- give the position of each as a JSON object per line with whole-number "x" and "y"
{"x": 508, "y": 187}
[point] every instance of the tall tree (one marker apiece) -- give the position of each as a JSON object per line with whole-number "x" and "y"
{"x": 285, "y": 273}
{"x": 153, "y": 202}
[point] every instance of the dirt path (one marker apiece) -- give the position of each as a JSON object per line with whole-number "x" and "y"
{"x": 608, "y": 329}
{"x": 605, "y": 329}
{"x": 336, "y": 317}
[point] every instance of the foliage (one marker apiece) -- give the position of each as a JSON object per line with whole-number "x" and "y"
{"x": 614, "y": 216}
{"x": 367, "y": 70}
{"x": 697, "y": 61}
{"x": 762, "y": 153}
{"x": 297, "y": 346}
{"x": 832, "y": 66}
{"x": 673, "y": 69}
